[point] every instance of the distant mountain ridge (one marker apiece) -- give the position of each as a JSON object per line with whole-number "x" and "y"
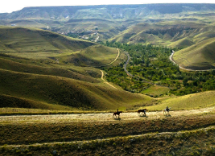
{"x": 104, "y": 11}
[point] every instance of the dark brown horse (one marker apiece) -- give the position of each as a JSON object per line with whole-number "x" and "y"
{"x": 142, "y": 111}
{"x": 117, "y": 113}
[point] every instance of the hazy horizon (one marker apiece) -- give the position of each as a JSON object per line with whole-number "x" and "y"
{"x": 6, "y": 7}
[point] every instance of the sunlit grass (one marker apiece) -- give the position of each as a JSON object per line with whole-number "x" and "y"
{"x": 156, "y": 90}
{"x": 187, "y": 102}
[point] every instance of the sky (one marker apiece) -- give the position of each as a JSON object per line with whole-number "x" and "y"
{"x": 9, "y": 6}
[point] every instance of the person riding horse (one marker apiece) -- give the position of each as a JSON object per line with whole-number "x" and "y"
{"x": 166, "y": 110}
{"x": 117, "y": 113}
{"x": 142, "y": 110}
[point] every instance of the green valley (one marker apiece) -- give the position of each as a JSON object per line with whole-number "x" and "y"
{"x": 108, "y": 80}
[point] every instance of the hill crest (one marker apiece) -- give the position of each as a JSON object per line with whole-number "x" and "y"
{"x": 104, "y": 11}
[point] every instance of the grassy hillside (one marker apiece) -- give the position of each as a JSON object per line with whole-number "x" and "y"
{"x": 39, "y": 44}
{"x": 199, "y": 56}
{"x": 173, "y": 33}
{"x": 36, "y": 69}
{"x": 65, "y": 91}
{"x": 156, "y": 90}
{"x": 8, "y": 101}
{"x": 187, "y": 102}
{"x": 33, "y": 43}
{"x": 182, "y": 43}
{"x": 41, "y": 69}
{"x": 97, "y": 55}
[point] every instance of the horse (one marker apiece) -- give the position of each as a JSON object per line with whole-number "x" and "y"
{"x": 166, "y": 111}
{"x": 117, "y": 113}
{"x": 142, "y": 111}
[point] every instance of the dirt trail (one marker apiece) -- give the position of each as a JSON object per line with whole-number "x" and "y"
{"x": 102, "y": 73}
{"x": 102, "y": 77}
{"x": 97, "y": 117}
{"x": 116, "y": 56}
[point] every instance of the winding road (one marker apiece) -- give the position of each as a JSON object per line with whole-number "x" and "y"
{"x": 125, "y": 65}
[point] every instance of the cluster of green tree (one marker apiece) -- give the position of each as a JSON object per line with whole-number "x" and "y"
{"x": 150, "y": 65}
{"x": 74, "y": 35}
{"x": 118, "y": 76}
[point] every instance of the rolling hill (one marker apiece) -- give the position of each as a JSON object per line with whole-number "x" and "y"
{"x": 63, "y": 91}
{"x": 174, "y": 33}
{"x": 187, "y": 102}
{"x": 15, "y": 40}
{"x": 95, "y": 56}
{"x": 41, "y": 69}
{"x": 35, "y": 52}
{"x": 107, "y": 20}
{"x": 200, "y": 56}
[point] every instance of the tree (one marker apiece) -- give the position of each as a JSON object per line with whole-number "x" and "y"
{"x": 185, "y": 81}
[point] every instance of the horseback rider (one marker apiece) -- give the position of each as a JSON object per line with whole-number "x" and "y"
{"x": 144, "y": 111}
{"x": 167, "y": 108}
{"x": 117, "y": 113}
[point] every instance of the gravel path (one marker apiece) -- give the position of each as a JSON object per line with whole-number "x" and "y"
{"x": 97, "y": 116}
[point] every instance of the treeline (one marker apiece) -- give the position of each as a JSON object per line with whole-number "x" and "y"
{"x": 150, "y": 65}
